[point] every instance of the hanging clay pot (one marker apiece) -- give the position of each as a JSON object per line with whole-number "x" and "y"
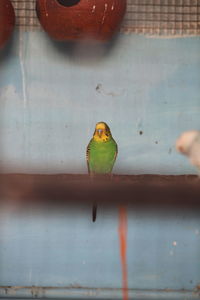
{"x": 80, "y": 19}
{"x": 7, "y": 21}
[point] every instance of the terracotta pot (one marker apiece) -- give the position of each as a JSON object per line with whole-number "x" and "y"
{"x": 7, "y": 21}
{"x": 79, "y": 19}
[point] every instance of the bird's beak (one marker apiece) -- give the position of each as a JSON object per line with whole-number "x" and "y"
{"x": 99, "y": 132}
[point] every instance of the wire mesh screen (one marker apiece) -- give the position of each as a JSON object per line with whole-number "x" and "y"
{"x": 163, "y": 17}
{"x": 154, "y": 17}
{"x": 26, "y": 14}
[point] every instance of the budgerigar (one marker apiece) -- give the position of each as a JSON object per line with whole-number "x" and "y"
{"x": 189, "y": 144}
{"x": 101, "y": 153}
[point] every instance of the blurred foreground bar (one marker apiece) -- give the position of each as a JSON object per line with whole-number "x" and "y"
{"x": 60, "y": 189}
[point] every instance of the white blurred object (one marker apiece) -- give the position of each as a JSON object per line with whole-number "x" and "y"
{"x": 189, "y": 144}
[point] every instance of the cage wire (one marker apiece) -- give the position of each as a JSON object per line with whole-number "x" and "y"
{"x": 152, "y": 17}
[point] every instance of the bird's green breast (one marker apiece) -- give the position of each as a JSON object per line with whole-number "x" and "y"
{"x": 102, "y": 156}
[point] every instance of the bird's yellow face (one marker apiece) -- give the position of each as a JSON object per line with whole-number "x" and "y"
{"x": 102, "y": 132}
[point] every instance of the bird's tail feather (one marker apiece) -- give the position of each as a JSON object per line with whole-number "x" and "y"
{"x": 94, "y": 212}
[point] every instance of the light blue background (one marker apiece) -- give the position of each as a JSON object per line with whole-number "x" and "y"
{"x": 66, "y": 249}
{"x": 52, "y": 95}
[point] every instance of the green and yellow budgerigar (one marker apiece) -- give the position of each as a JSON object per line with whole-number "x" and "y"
{"x": 101, "y": 153}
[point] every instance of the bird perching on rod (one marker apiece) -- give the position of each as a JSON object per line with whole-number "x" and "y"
{"x": 101, "y": 154}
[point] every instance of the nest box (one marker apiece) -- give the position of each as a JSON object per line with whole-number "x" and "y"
{"x": 80, "y": 19}
{"x": 7, "y": 21}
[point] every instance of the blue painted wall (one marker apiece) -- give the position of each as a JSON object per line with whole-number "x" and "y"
{"x": 65, "y": 249}
{"x": 53, "y": 94}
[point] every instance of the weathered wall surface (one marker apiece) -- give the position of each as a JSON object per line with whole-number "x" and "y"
{"x": 53, "y": 94}
{"x": 65, "y": 249}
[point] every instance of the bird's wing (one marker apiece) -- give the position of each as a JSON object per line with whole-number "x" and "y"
{"x": 116, "y": 152}
{"x": 88, "y": 157}
{"x": 114, "y": 158}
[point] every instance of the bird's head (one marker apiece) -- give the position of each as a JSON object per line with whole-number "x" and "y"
{"x": 102, "y": 132}
{"x": 185, "y": 141}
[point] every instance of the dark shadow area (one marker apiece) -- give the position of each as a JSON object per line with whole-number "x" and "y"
{"x": 86, "y": 50}
{"x": 68, "y": 3}
{"x": 7, "y": 51}
{"x": 6, "y": 54}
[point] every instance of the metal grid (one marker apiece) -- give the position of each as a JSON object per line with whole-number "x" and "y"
{"x": 163, "y": 17}
{"x": 154, "y": 17}
{"x": 26, "y": 14}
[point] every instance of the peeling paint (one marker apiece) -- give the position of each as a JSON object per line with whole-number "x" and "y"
{"x": 100, "y": 89}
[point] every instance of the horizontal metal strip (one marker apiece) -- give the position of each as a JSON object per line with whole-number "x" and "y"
{"x": 90, "y": 293}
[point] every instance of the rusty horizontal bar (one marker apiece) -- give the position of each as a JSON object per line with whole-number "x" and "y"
{"x": 134, "y": 189}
